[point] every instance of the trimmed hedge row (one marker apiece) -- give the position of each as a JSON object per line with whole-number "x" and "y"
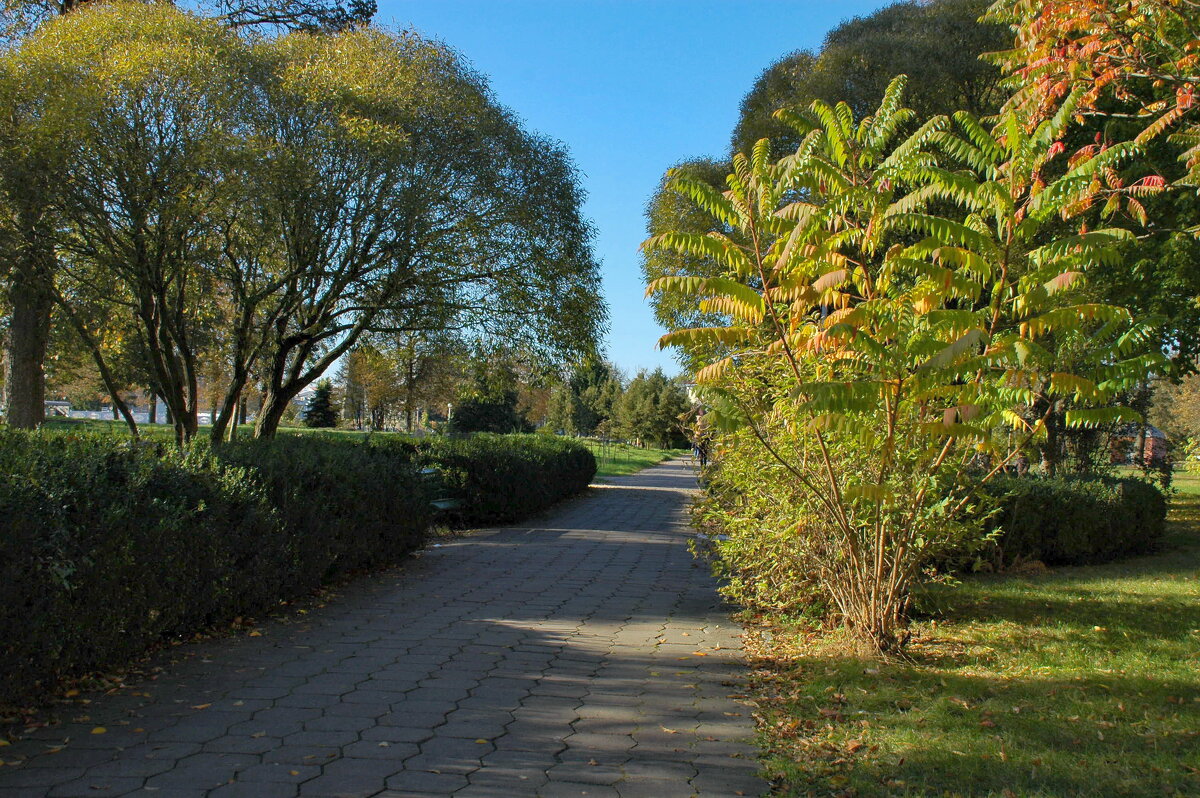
{"x": 108, "y": 549}
{"x": 1075, "y": 521}
{"x": 504, "y": 478}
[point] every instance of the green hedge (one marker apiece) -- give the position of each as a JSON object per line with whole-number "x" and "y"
{"x": 1075, "y": 521}
{"x": 107, "y": 549}
{"x": 505, "y": 478}
{"x": 345, "y": 505}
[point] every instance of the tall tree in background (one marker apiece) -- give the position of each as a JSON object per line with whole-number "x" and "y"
{"x": 320, "y": 411}
{"x": 650, "y": 410}
{"x": 937, "y": 44}
{"x": 416, "y": 205}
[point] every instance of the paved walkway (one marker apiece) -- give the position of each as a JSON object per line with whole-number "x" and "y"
{"x": 587, "y": 656}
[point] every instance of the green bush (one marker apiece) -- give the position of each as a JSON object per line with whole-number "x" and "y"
{"x": 504, "y": 478}
{"x": 345, "y": 505}
{"x": 1074, "y": 521}
{"x": 107, "y": 549}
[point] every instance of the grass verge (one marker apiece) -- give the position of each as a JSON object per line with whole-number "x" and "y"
{"x": 618, "y": 459}
{"x": 1078, "y": 682}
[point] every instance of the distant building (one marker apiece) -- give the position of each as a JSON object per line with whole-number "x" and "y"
{"x": 1125, "y": 445}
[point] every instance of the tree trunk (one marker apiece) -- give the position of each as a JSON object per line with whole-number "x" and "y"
{"x": 29, "y": 335}
{"x": 152, "y": 418}
{"x": 271, "y": 413}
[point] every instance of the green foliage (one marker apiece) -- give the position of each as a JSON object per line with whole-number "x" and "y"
{"x": 249, "y": 207}
{"x": 889, "y": 356}
{"x": 320, "y": 410}
{"x": 1057, "y": 685}
{"x": 109, "y": 549}
{"x": 651, "y": 411}
{"x": 1075, "y": 521}
{"x": 495, "y": 413}
{"x": 937, "y": 44}
{"x": 504, "y": 478}
{"x": 755, "y": 532}
{"x": 345, "y": 505}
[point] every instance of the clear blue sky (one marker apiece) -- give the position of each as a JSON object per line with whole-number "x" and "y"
{"x": 631, "y": 87}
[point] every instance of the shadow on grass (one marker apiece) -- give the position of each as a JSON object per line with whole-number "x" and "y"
{"x": 1080, "y": 682}
{"x": 914, "y": 729}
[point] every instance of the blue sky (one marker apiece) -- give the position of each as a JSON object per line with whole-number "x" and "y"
{"x": 631, "y": 87}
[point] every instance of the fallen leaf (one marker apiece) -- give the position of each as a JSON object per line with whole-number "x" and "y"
{"x": 294, "y": 772}
{"x": 99, "y": 730}
{"x": 482, "y": 741}
{"x": 255, "y": 633}
{"x": 202, "y": 706}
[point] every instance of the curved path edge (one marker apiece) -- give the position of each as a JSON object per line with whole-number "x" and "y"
{"x": 585, "y": 655}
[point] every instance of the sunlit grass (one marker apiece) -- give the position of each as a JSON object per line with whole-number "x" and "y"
{"x": 1079, "y": 682}
{"x": 618, "y": 459}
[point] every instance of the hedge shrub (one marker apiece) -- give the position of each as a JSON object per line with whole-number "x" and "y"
{"x": 344, "y": 505}
{"x": 505, "y": 478}
{"x": 1075, "y": 521}
{"x": 108, "y": 548}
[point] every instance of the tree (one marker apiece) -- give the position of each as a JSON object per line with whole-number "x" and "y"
{"x": 488, "y": 403}
{"x": 320, "y": 411}
{"x": 888, "y": 359}
{"x": 27, "y": 177}
{"x": 650, "y": 410}
{"x": 415, "y": 205}
{"x": 937, "y": 44}
{"x": 263, "y": 204}
{"x": 137, "y": 100}
{"x": 1141, "y": 55}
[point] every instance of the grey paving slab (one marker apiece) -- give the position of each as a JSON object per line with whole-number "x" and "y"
{"x": 584, "y": 654}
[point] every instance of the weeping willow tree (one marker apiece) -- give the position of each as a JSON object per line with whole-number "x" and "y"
{"x": 892, "y": 310}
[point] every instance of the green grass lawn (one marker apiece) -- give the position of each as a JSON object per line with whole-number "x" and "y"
{"x": 617, "y": 459}
{"x": 1079, "y": 682}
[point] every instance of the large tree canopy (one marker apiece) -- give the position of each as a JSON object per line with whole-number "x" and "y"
{"x": 937, "y": 44}
{"x": 263, "y": 203}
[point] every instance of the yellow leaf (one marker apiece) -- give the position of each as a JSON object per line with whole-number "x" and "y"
{"x": 99, "y": 730}
{"x": 482, "y": 741}
{"x": 201, "y": 706}
{"x": 256, "y": 633}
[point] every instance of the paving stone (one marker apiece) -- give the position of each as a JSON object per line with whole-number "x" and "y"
{"x": 427, "y": 782}
{"x": 352, "y": 777}
{"x": 559, "y": 645}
